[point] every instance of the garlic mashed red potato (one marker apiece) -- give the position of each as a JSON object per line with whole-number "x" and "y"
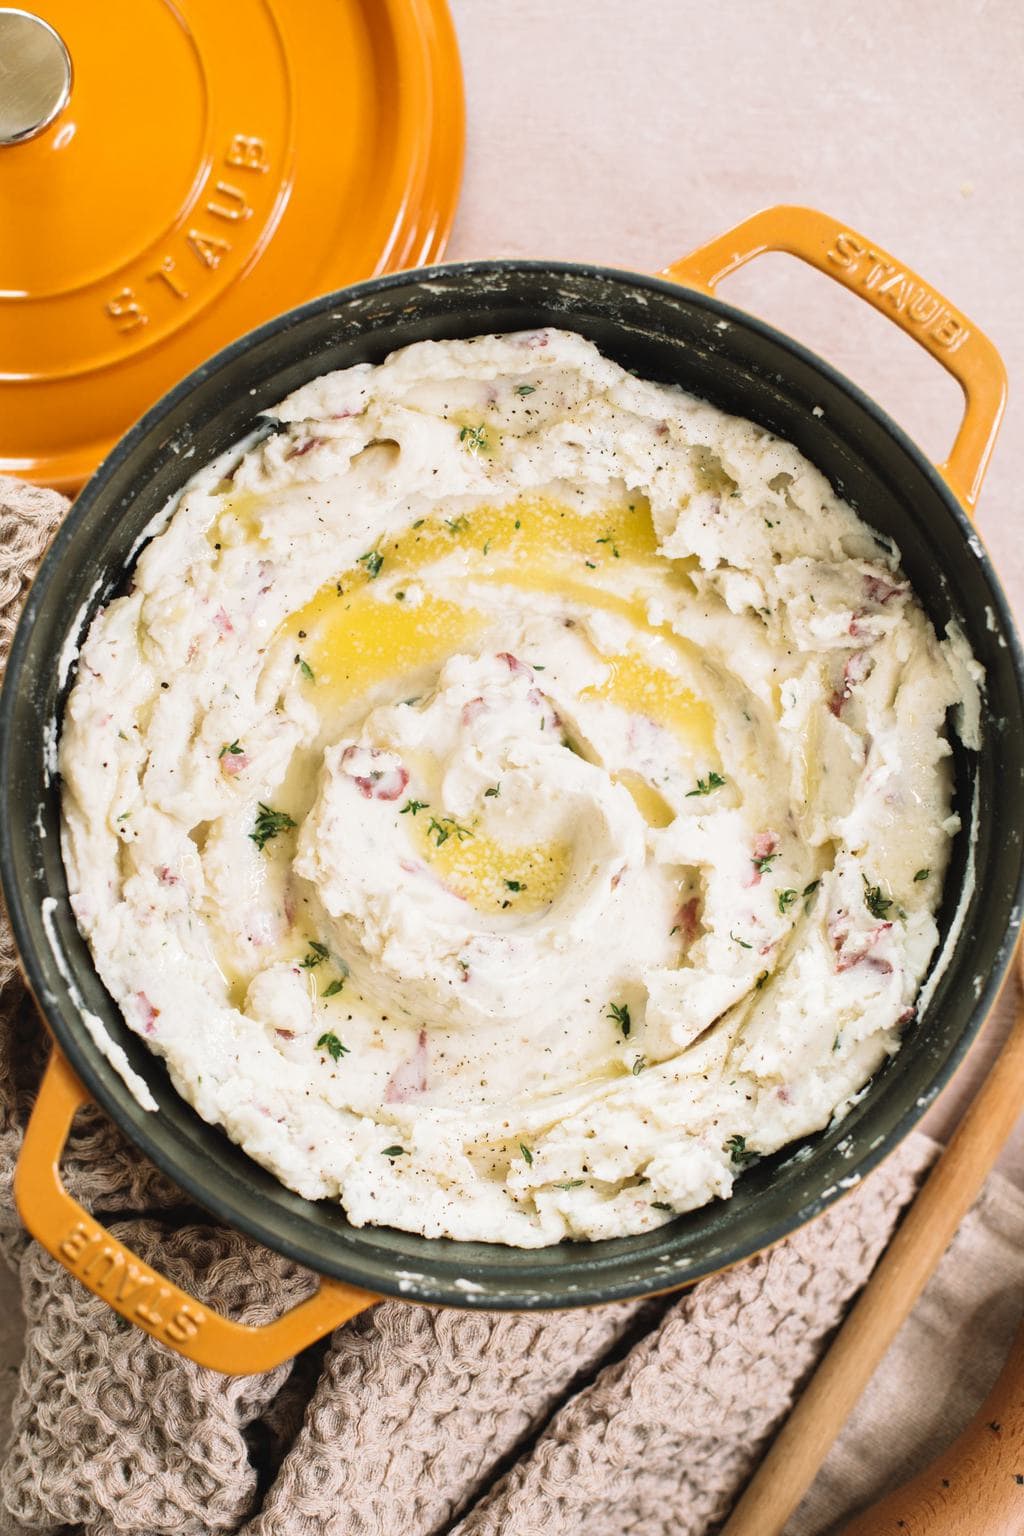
{"x": 516, "y": 797}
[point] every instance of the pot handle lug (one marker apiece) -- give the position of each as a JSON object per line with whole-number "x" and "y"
{"x": 139, "y": 1293}
{"x": 896, "y": 292}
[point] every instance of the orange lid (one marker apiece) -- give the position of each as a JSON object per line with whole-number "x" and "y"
{"x": 215, "y": 162}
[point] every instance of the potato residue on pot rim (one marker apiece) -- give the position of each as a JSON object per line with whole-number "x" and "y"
{"x": 517, "y": 797}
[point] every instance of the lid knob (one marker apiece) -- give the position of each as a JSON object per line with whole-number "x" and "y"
{"x": 35, "y": 75}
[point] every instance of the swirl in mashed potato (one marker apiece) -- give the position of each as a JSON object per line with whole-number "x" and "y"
{"x": 516, "y": 797}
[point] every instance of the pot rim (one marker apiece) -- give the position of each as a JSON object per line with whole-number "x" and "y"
{"x": 99, "y": 1077}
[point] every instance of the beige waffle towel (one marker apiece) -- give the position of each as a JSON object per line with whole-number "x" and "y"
{"x": 640, "y": 1418}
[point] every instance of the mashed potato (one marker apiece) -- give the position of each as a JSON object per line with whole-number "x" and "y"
{"x": 516, "y": 797}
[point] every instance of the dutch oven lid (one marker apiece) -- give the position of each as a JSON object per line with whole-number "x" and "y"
{"x": 172, "y": 174}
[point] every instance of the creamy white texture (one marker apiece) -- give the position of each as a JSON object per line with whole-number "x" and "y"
{"x": 516, "y": 797}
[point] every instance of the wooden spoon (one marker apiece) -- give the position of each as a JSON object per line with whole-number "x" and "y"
{"x": 801, "y": 1446}
{"x": 976, "y": 1487}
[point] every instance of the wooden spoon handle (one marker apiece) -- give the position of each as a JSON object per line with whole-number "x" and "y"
{"x": 977, "y": 1485}
{"x": 798, "y": 1451}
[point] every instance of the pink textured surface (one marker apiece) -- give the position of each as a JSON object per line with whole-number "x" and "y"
{"x": 630, "y": 131}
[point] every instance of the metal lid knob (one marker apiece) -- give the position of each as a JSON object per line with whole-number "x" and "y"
{"x": 35, "y": 75}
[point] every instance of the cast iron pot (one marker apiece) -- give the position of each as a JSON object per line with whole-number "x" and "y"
{"x": 670, "y": 328}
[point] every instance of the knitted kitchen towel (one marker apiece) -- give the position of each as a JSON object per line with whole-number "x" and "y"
{"x": 638, "y": 1417}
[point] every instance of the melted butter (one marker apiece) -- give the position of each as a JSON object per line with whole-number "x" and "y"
{"x": 640, "y": 688}
{"x": 358, "y": 640}
{"x": 653, "y": 807}
{"x": 239, "y": 522}
{"x": 493, "y": 875}
{"x": 359, "y": 631}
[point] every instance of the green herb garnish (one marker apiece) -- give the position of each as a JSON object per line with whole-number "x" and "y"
{"x": 317, "y": 955}
{"x": 393, "y": 1152}
{"x": 268, "y": 824}
{"x": 457, "y": 524}
{"x": 619, "y": 1012}
{"x": 736, "y": 1147}
{"x": 525, "y": 389}
{"x": 475, "y": 438}
{"x": 741, "y": 942}
{"x": 922, "y": 874}
{"x": 786, "y": 900}
{"x": 232, "y": 747}
{"x": 445, "y": 828}
{"x": 609, "y": 538}
{"x": 515, "y": 885}
{"x": 765, "y": 862}
{"x": 571, "y": 1184}
{"x": 493, "y": 792}
{"x": 373, "y": 560}
{"x": 639, "y": 1065}
{"x": 877, "y": 904}
{"x": 705, "y": 786}
{"x": 332, "y": 1045}
{"x": 660, "y": 1205}
{"x": 527, "y": 1154}
{"x": 306, "y": 670}
{"x": 411, "y": 807}
{"x": 334, "y": 988}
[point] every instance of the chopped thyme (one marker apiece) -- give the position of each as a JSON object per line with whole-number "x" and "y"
{"x": 836, "y": 1042}
{"x": 639, "y": 1065}
{"x": 809, "y": 890}
{"x": 922, "y": 874}
{"x": 620, "y": 1013}
{"x": 876, "y": 903}
{"x": 609, "y": 538}
{"x": 334, "y": 988}
{"x": 306, "y": 670}
{"x": 457, "y": 524}
{"x": 590, "y": 565}
{"x": 330, "y": 1043}
{"x": 412, "y": 806}
{"x": 705, "y": 786}
{"x": 317, "y": 955}
{"x": 570, "y": 1184}
{"x": 232, "y": 747}
{"x": 373, "y": 560}
{"x": 419, "y": 522}
{"x": 741, "y": 942}
{"x": 660, "y": 1205}
{"x": 527, "y": 1154}
{"x": 786, "y": 900}
{"x": 475, "y": 438}
{"x": 515, "y": 885}
{"x": 525, "y": 389}
{"x": 736, "y": 1147}
{"x": 759, "y": 983}
{"x": 765, "y": 862}
{"x": 493, "y": 792}
{"x": 487, "y": 546}
{"x": 445, "y": 828}
{"x": 268, "y": 824}
{"x": 393, "y": 1152}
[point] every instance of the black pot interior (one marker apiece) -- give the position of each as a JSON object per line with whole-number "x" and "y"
{"x": 664, "y": 333}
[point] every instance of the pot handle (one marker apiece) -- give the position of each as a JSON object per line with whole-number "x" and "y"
{"x": 898, "y": 293}
{"x": 140, "y": 1294}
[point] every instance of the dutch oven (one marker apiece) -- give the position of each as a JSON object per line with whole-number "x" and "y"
{"x": 672, "y": 328}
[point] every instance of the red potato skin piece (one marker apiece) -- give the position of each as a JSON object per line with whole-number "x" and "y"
{"x": 409, "y": 1081}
